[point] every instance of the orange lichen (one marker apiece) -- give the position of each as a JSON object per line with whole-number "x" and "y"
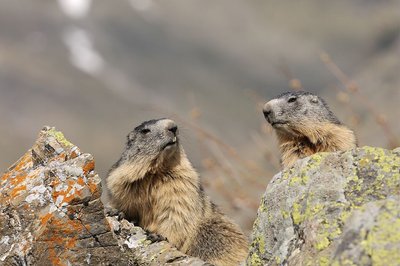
{"x": 80, "y": 181}
{"x": 70, "y": 243}
{"x": 60, "y": 157}
{"x": 18, "y": 179}
{"x": 45, "y": 218}
{"x": 23, "y": 162}
{"x": 88, "y": 167}
{"x": 72, "y": 196}
{"x": 66, "y": 193}
{"x": 17, "y": 190}
{"x": 54, "y": 258}
{"x": 92, "y": 187}
{"x": 74, "y": 154}
{"x": 55, "y": 182}
{"x": 5, "y": 177}
{"x": 62, "y": 233}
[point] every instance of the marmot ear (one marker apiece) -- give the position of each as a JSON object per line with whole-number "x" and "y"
{"x": 314, "y": 99}
{"x": 130, "y": 137}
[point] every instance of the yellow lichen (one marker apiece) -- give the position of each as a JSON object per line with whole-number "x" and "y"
{"x": 260, "y": 242}
{"x": 294, "y": 180}
{"x": 285, "y": 214}
{"x": 296, "y": 213}
{"x": 322, "y": 244}
{"x": 59, "y": 136}
{"x": 255, "y": 260}
{"x": 323, "y": 261}
{"x": 381, "y": 243}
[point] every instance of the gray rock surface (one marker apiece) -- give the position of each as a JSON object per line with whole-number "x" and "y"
{"x": 331, "y": 209}
{"x": 51, "y": 214}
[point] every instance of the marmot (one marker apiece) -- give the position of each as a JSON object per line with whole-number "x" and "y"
{"x": 154, "y": 184}
{"x": 305, "y": 125}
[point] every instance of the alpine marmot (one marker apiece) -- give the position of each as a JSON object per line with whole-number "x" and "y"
{"x": 155, "y": 185}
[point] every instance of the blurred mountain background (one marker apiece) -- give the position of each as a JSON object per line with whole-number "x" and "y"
{"x": 96, "y": 69}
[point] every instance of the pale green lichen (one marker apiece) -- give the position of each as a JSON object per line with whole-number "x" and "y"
{"x": 382, "y": 242}
{"x": 316, "y": 160}
{"x": 255, "y": 260}
{"x": 381, "y": 168}
{"x": 300, "y": 214}
{"x": 286, "y": 173}
{"x": 373, "y": 175}
{"x": 262, "y": 207}
{"x": 345, "y": 262}
{"x": 324, "y": 261}
{"x": 305, "y": 179}
{"x": 285, "y": 214}
{"x": 322, "y": 243}
{"x": 296, "y": 213}
{"x": 328, "y": 233}
{"x": 294, "y": 180}
{"x": 59, "y": 136}
{"x": 259, "y": 241}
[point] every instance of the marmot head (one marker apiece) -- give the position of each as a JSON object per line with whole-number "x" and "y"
{"x": 153, "y": 143}
{"x": 291, "y": 112}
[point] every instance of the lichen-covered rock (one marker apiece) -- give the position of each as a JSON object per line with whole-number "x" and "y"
{"x": 51, "y": 214}
{"x": 331, "y": 209}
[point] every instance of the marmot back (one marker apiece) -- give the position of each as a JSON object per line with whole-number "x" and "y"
{"x": 154, "y": 184}
{"x": 305, "y": 125}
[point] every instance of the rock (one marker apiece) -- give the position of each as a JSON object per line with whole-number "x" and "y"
{"x": 331, "y": 209}
{"x": 51, "y": 214}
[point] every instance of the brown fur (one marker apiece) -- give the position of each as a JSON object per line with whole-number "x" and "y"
{"x": 313, "y": 138}
{"x": 165, "y": 197}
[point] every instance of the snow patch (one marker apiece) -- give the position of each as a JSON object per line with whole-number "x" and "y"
{"x": 82, "y": 53}
{"x": 75, "y": 9}
{"x": 142, "y": 5}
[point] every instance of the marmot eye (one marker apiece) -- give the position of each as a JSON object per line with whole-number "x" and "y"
{"x": 144, "y": 131}
{"x": 292, "y": 99}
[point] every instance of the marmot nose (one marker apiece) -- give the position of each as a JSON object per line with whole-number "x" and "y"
{"x": 173, "y": 128}
{"x": 267, "y": 110}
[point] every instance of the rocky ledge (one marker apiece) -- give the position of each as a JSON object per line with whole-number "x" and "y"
{"x": 332, "y": 209}
{"x": 51, "y": 214}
